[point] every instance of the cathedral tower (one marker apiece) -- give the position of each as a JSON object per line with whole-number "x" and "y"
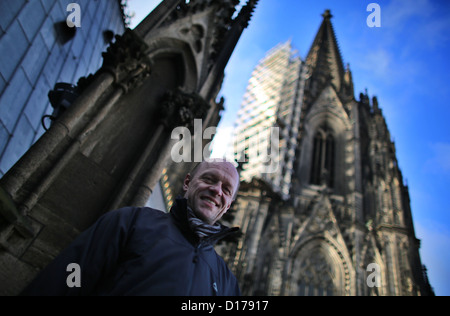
{"x": 344, "y": 227}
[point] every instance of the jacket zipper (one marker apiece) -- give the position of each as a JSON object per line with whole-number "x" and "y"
{"x": 203, "y": 243}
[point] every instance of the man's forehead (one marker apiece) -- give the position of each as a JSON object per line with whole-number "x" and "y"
{"x": 223, "y": 166}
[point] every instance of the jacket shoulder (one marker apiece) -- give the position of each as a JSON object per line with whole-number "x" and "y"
{"x": 152, "y": 212}
{"x": 131, "y": 212}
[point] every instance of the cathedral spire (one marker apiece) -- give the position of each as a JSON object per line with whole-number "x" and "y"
{"x": 231, "y": 38}
{"x": 324, "y": 57}
{"x": 327, "y": 14}
{"x": 246, "y": 13}
{"x": 239, "y": 24}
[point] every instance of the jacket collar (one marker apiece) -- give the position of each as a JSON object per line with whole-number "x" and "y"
{"x": 180, "y": 215}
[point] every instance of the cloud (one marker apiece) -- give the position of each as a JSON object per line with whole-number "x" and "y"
{"x": 378, "y": 61}
{"x": 399, "y": 13}
{"x": 435, "y": 241}
{"x": 439, "y": 162}
{"x": 427, "y": 21}
{"x": 435, "y": 32}
{"x": 222, "y": 143}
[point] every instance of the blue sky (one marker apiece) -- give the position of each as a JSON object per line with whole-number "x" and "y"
{"x": 404, "y": 63}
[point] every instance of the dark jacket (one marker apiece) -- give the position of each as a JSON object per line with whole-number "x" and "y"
{"x": 140, "y": 251}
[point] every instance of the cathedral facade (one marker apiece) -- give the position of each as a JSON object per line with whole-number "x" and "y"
{"x": 335, "y": 218}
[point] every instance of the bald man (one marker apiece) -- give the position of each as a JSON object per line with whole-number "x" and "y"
{"x": 210, "y": 189}
{"x": 146, "y": 252}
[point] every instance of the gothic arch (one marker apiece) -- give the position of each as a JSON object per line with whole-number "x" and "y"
{"x": 171, "y": 68}
{"x": 341, "y": 137}
{"x": 138, "y": 113}
{"x": 317, "y": 268}
{"x": 327, "y": 112}
{"x": 371, "y": 254}
{"x": 181, "y": 54}
{"x": 323, "y": 157}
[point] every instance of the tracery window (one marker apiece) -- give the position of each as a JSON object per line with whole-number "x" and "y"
{"x": 315, "y": 277}
{"x": 323, "y": 160}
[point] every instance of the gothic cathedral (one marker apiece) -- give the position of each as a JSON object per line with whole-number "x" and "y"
{"x": 335, "y": 219}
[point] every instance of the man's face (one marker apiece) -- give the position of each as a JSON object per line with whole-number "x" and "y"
{"x": 211, "y": 190}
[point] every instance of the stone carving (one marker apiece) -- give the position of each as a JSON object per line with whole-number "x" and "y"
{"x": 196, "y": 33}
{"x": 179, "y": 108}
{"x": 127, "y": 61}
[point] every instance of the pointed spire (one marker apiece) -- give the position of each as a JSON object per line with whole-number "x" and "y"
{"x": 241, "y": 22}
{"x": 327, "y": 14}
{"x": 324, "y": 58}
{"x": 246, "y": 13}
{"x": 348, "y": 79}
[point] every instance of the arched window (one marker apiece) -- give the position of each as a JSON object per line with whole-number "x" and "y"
{"x": 323, "y": 160}
{"x": 316, "y": 276}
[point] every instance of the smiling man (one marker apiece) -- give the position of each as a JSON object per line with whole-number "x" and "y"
{"x": 142, "y": 251}
{"x": 211, "y": 188}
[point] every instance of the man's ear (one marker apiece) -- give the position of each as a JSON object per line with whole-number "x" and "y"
{"x": 186, "y": 182}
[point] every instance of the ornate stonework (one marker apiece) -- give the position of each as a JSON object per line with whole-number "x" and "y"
{"x": 127, "y": 60}
{"x": 181, "y": 109}
{"x": 348, "y": 208}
